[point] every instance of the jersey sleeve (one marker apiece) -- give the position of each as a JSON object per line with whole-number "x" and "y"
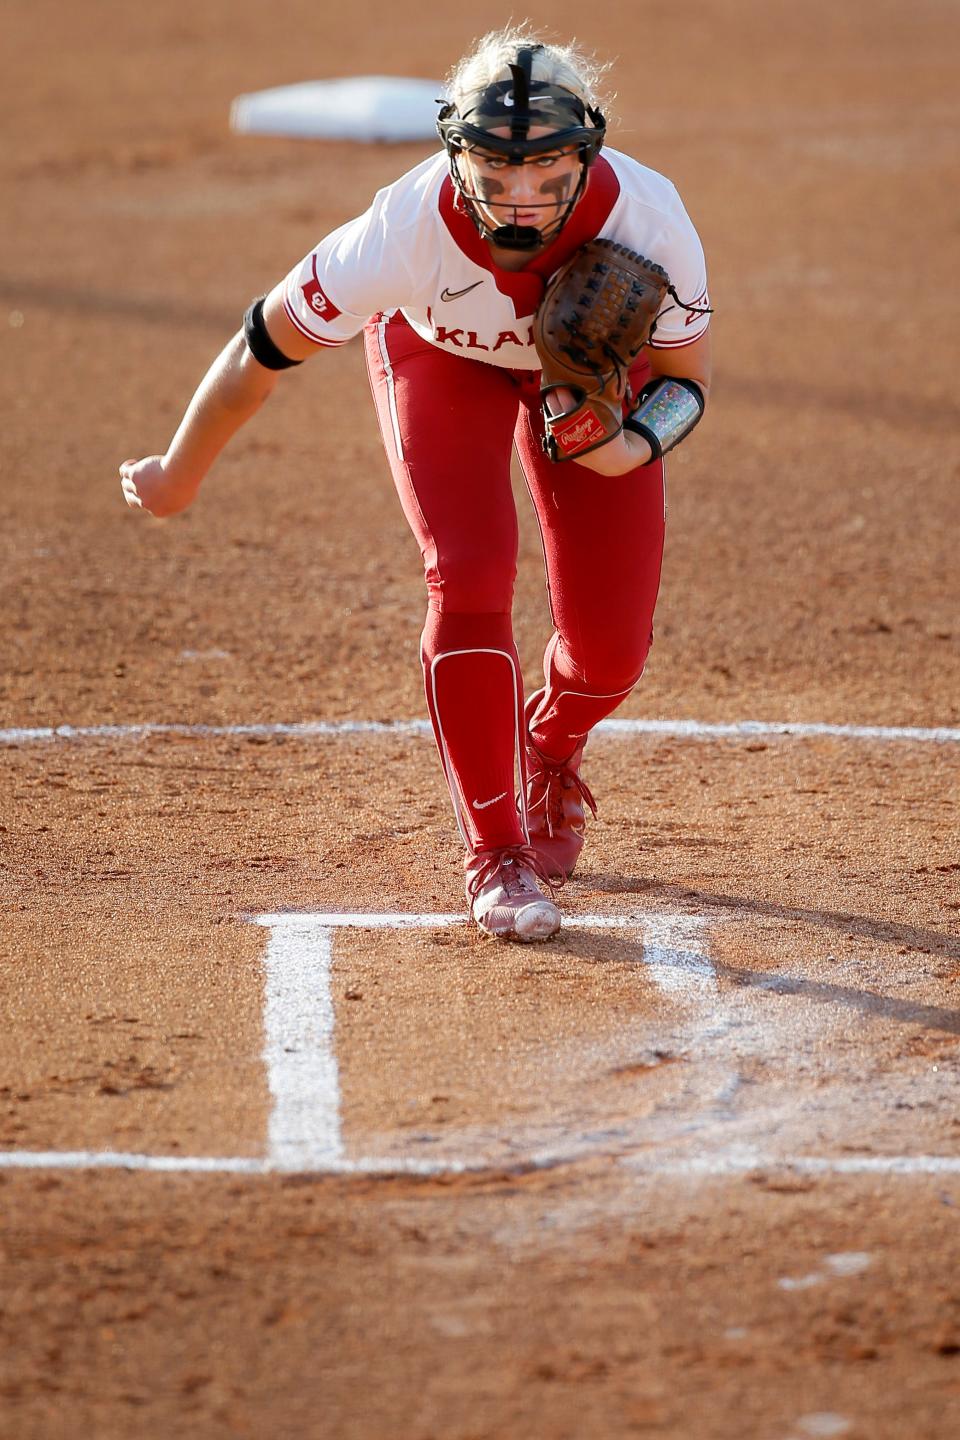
{"x": 357, "y": 271}
{"x": 684, "y": 262}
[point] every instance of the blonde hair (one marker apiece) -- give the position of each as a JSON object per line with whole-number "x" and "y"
{"x": 490, "y": 59}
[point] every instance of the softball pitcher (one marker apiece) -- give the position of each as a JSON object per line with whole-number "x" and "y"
{"x": 445, "y": 274}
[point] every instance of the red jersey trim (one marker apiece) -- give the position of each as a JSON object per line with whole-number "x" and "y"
{"x": 525, "y": 287}
{"x": 678, "y": 344}
{"x": 295, "y": 320}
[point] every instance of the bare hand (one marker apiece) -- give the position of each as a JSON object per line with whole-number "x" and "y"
{"x": 623, "y": 453}
{"x": 148, "y": 485}
{"x": 626, "y": 452}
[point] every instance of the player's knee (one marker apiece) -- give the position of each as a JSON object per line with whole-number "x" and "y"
{"x": 472, "y": 579}
{"x": 614, "y": 665}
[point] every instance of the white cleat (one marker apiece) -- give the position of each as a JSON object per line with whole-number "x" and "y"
{"x": 505, "y": 896}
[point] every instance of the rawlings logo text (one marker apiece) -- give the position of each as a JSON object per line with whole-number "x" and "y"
{"x": 576, "y": 432}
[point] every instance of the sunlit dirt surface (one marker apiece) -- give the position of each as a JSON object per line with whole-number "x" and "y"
{"x": 704, "y": 1187}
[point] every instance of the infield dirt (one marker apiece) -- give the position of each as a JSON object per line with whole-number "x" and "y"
{"x": 678, "y": 1274}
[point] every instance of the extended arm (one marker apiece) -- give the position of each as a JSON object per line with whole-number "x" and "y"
{"x": 233, "y": 389}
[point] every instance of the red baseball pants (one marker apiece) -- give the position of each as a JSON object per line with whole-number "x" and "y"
{"x": 448, "y": 423}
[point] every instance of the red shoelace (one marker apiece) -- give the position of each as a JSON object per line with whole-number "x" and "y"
{"x": 548, "y": 784}
{"x": 491, "y": 861}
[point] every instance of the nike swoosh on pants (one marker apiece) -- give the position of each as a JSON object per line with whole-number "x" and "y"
{"x": 485, "y": 804}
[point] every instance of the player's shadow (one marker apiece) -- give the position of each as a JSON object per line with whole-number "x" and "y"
{"x": 930, "y": 942}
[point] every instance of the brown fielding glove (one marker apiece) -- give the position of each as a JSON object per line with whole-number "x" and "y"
{"x": 595, "y": 317}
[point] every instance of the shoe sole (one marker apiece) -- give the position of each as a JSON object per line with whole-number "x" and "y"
{"x": 537, "y": 921}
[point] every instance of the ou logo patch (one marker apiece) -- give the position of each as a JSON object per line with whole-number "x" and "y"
{"x": 319, "y": 303}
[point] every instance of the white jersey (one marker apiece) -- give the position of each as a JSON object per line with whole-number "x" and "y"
{"x": 416, "y": 250}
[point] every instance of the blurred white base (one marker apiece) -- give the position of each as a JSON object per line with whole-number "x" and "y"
{"x": 363, "y": 107}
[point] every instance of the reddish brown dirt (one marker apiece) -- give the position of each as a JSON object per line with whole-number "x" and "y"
{"x": 810, "y": 575}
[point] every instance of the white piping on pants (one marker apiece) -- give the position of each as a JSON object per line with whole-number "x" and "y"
{"x": 391, "y": 389}
{"x": 460, "y": 808}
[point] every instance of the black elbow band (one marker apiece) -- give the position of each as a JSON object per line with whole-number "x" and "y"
{"x": 666, "y": 412}
{"x": 259, "y": 344}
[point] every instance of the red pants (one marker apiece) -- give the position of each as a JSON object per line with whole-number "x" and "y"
{"x": 448, "y": 423}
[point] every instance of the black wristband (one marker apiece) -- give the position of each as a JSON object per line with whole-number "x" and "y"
{"x": 261, "y": 347}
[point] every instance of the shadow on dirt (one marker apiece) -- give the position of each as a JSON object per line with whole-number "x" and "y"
{"x": 927, "y": 942}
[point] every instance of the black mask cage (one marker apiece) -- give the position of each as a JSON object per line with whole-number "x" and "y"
{"x": 520, "y": 104}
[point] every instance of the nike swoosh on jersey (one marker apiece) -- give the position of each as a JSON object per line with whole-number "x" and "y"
{"x": 455, "y": 294}
{"x": 485, "y": 804}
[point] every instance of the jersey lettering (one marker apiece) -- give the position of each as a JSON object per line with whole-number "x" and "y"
{"x": 443, "y": 336}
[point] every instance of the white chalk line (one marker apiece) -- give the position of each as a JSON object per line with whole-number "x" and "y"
{"x": 309, "y": 920}
{"x": 705, "y": 1167}
{"x": 305, "y": 1132}
{"x": 713, "y": 1167}
{"x": 302, "y": 1072}
{"x": 609, "y": 729}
